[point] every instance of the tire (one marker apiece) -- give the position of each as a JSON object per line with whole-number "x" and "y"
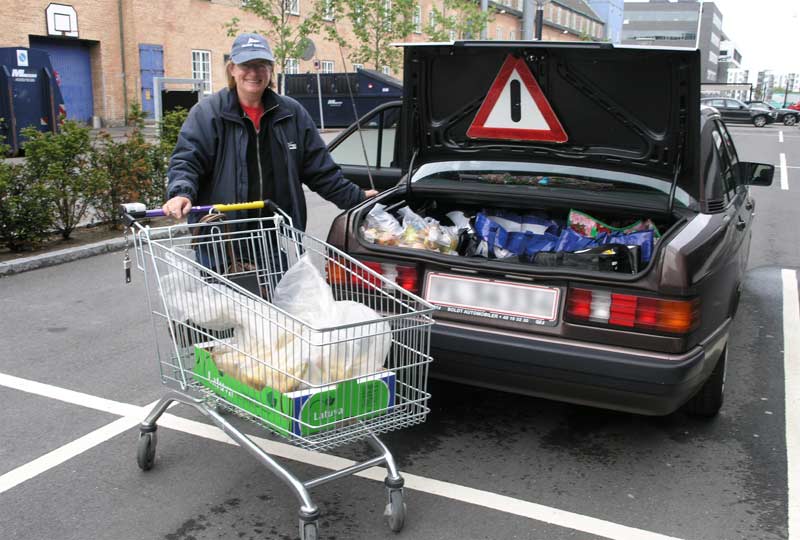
{"x": 309, "y": 531}
{"x": 146, "y": 450}
{"x": 790, "y": 120}
{"x": 707, "y": 402}
{"x": 395, "y": 512}
{"x": 760, "y": 120}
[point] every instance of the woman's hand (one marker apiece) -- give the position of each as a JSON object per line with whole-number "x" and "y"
{"x": 370, "y": 193}
{"x": 177, "y": 207}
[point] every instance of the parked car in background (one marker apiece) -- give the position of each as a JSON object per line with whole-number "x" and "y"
{"x": 789, "y": 117}
{"x": 795, "y": 106}
{"x": 735, "y": 111}
{"x": 520, "y": 311}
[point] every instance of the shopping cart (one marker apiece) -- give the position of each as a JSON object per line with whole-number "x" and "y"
{"x": 225, "y": 348}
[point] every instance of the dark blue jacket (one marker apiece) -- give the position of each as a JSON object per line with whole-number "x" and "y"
{"x": 209, "y": 164}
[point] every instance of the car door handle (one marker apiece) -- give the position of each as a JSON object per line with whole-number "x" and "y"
{"x": 741, "y": 224}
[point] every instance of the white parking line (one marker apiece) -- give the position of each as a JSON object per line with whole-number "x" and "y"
{"x": 780, "y": 136}
{"x": 784, "y": 173}
{"x": 69, "y": 396}
{"x": 66, "y": 452}
{"x": 791, "y": 369}
{"x": 486, "y": 499}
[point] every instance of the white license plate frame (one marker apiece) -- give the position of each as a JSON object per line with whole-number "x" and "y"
{"x": 477, "y": 305}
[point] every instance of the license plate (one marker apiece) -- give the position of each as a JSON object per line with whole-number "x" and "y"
{"x": 503, "y": 300}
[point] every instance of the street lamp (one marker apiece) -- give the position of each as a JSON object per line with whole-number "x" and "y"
{"x": 539, "y": 17}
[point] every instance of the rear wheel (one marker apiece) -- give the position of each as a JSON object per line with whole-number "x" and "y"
{"x": 708, "y": 400}
{"x": 790, "y": 120}
{"x": 146, "y": 450}
{"x": 395, "y": 512}
{"x": 760, "y": 121}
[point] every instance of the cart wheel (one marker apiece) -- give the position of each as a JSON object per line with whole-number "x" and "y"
{"x": 146, "y": 450}
{"x": 395, "y": 512}
{"x": 309, "y": 530}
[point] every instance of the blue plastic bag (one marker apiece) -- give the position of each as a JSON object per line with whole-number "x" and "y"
{"x": 507, "y": 234}
{"x": 643, "y": 239}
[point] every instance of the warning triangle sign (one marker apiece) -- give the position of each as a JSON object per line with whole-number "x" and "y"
{"x": 515, "y": 108}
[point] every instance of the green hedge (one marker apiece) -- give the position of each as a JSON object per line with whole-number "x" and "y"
{"x": 65, "y": 176}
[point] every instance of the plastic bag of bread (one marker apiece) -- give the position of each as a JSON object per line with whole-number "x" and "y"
{"x": 381, "y": 227}
{"x": 332, "y": 354}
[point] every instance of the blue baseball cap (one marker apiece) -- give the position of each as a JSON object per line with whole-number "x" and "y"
{"x": 247, "y": 47}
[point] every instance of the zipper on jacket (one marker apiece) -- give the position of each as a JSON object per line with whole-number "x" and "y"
{"x": 258, "y": 159}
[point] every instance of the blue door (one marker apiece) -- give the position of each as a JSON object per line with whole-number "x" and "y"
{"x": 151, "y": 64}
{"x": 71, "y": 60}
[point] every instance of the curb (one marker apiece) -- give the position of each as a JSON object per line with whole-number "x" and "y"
{"x": 68, "y": 255}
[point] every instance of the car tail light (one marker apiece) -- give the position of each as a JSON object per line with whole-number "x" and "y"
{"x": 631, "y": 311}
{"x": 406, "y": 276}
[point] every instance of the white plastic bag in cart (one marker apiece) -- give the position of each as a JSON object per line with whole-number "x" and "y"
{"x": 304, "y": 294}
{"x": 334, "y": 354}
{"x": 189, "y": 296}
{"x": 350, "y": 352}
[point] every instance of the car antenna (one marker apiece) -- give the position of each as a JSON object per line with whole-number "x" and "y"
{"x": 355, "y": 113}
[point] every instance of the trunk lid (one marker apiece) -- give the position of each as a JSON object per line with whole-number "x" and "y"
{"x": 623, "y": 109}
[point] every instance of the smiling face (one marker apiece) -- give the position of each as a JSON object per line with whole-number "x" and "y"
{"x": 251, "y": 78}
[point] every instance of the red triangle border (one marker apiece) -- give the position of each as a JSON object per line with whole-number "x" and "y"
{"x": 477, "y": 130}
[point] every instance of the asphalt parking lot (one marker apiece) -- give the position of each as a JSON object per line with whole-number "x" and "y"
{"x": 79, "y": 374}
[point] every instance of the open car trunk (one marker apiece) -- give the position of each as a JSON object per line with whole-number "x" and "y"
{"x": 533, "y": 234}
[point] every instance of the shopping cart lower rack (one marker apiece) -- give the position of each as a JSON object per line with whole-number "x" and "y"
{"x": 320, "y": 367}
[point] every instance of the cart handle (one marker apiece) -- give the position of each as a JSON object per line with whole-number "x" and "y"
{"x": 132, "y": 211}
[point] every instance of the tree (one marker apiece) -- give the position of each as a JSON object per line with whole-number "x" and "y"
{"x": 26, "y": 209}
{"x": 63, "y": 162}
{"x": 376, "y": 25}
{"x": 287, "y": 38}
{"x": 458, "y": 19}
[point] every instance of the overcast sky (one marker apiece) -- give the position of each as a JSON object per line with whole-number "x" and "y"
{"x": 766, "y": 32}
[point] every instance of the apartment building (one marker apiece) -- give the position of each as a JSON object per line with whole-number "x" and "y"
{"x": 659, "y": 23}
{"x": 729, "y": 58}
{"x": 611, "y": 11}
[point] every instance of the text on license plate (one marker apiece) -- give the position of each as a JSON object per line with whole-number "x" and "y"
{"x": 478, "y": 296}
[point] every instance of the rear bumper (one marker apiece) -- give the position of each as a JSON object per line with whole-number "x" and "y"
{"x": 607, "y": 377}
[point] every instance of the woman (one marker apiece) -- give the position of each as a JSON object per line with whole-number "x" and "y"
{"x": 247, "y": 143}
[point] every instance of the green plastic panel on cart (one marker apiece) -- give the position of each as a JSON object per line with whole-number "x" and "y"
{"x": 302, "y": 412}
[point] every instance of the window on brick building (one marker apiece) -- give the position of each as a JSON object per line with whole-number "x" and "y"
{"x": 293, "y": 6}
{"x": 292, "y": 66}
{"x": 201, "y": 68}
{"x": 326, "y": 66}
{"x": 418, "y": 20}
{"x": 387, "y": 17}
{"x": 387, "y": 70}
{"x": 328, "y": 14}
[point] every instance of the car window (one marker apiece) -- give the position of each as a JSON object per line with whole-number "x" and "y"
{"x": 717, "y": 103}
{"x": 730, "y": 151}
{"x": 391, "y": 118}
{"x": 732, "y": 104}
{"x": 725, "y": 167}
{"x": 378, "y": 134}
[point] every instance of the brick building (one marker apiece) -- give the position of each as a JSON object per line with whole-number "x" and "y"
{"x": 107, "y": 51}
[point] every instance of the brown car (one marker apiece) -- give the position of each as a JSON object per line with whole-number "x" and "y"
{"x": 586, "y": 224}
